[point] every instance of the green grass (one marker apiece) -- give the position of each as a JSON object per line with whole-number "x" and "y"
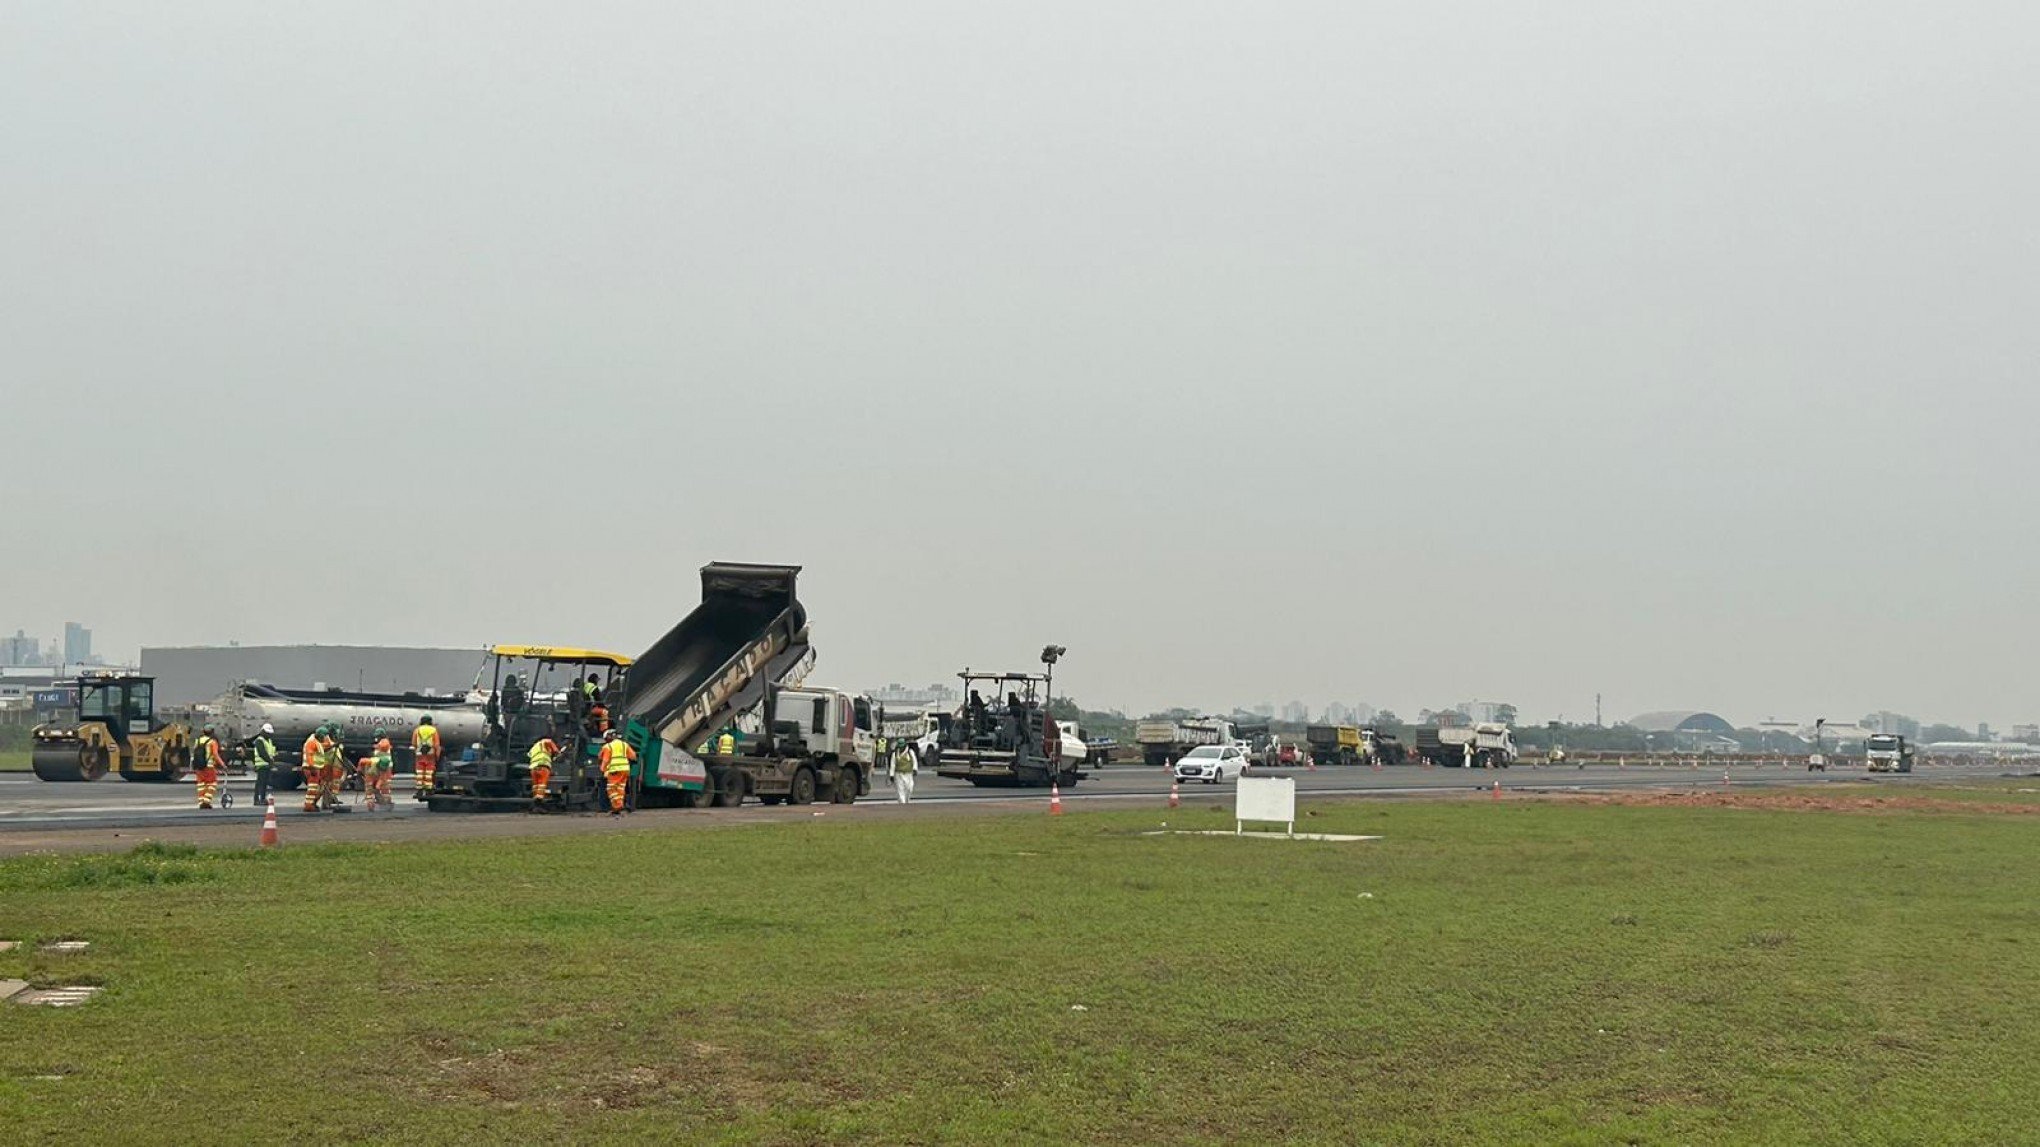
{"x": 13, "y": 760}
{"x": 1513, "y": 973}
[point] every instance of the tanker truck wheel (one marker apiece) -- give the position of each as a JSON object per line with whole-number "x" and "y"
{"x": 73, "y": 762}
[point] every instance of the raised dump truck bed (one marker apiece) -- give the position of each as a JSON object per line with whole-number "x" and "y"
{"x": 749, "y": 630}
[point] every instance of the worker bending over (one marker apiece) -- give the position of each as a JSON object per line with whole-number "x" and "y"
{"x": 375, "y": 774}
{"x": 210, "y": 761}
{"x": 541, "y": 760}
{"x": 616, "y": 760}
{"x": 425, "y": 754}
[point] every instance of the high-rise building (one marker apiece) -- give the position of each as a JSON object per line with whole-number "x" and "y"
{"x": 1295, "y": 713}
{"x": 77, "y": 644}
{"x": 19, "y": 650}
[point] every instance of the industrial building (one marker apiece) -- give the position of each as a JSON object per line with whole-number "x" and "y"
{"x": 196, "y": 674}
{"x": 1687, "y": 730}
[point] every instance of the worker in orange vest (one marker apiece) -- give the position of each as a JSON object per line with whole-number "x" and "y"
{"x": 540, "y": 758}
{"x": 312, "y": 766}
{"x": 333, "y": 768}
{"x": 210, "y": 761}
{"x": 425, "y": 753}
{"x": 616, "y": 759}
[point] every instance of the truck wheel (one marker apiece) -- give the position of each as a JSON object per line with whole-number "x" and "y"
{"x": 802, "y": 792}
{"x": 846, "y": 786}
{"x": 729, "y": 788}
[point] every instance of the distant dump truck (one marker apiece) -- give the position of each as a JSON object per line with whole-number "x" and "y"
{"x": 1163, "y": 742}
{"x": 1384, "y": 748}
{"x": 1888, "y": 753}
{"x": 1335, "y": 744}
{"x": 1488, "y": 745}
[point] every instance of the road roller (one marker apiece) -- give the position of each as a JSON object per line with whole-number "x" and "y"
{"x": 116, "y": 731}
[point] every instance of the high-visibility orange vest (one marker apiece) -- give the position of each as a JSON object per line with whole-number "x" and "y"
{"x": 617, "y": 756}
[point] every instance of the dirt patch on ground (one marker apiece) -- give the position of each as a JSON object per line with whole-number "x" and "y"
{"x": 1808, "y": 802}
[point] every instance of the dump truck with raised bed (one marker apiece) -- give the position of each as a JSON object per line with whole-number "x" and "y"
{"x": 804, "y": 743}
{"x": 117, "y": 731}
{"x": 749, "y": 633}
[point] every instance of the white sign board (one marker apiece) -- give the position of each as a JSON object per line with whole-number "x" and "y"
{"x": 1266, "y": 798}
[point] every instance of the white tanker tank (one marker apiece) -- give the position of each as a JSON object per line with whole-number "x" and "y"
{"x": 241, "y": 712}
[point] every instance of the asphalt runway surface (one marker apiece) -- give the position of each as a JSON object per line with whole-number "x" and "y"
{"x": 31, "y": 805}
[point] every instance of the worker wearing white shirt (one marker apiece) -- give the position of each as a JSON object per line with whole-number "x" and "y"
{"x": 902, "y": 772}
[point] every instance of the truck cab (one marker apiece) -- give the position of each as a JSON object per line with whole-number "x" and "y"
{"x": 1888, "y": 753}
{"x": 830, "y": 724}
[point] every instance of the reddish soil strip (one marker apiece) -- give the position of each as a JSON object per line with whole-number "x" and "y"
{"x": 1807, "y": 802}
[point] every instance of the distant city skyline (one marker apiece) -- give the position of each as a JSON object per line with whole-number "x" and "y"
{"x": 26, "y": 650}
{"x": 29, "y": 650}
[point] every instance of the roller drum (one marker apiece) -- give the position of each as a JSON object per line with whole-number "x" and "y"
{"x": 68, "y": 759}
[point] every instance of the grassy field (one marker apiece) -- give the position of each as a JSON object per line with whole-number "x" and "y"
{"x": 1506, "y": 973}
{"x": 13, "y": 761}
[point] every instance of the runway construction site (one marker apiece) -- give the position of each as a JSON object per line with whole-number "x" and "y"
{"x": 1789, "y": 959}
{"x": 761, "y": 946}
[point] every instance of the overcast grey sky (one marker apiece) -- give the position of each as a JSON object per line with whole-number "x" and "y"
{"x": 1404, "y": 352}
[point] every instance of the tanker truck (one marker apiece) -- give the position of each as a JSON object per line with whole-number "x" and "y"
{"x": 241, "y": 712}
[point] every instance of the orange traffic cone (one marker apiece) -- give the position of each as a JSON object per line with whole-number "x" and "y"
{"x": 269, "y": 825}
{"x": 1054, "y": 799}
{"x": 1175, "y": 793}
{"x": 1498, "y": 788}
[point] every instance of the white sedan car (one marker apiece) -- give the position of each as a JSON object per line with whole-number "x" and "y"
{"x": 1212, "y": 764}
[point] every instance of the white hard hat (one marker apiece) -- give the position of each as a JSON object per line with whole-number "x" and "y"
{"x": 268, "y": 728}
